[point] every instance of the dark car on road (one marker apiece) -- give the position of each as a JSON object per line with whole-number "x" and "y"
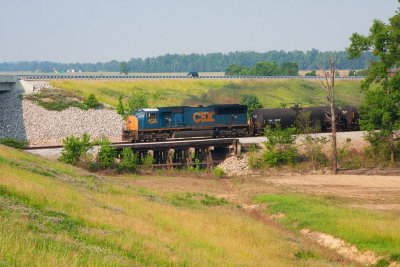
{"x": 193, "y": 74}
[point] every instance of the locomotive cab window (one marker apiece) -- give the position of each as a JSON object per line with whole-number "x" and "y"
{"x": 151, "y": 115}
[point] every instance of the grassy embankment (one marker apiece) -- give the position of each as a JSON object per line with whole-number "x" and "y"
{"x": 272, "y": 93}
{"x": 375, "y": 231}
{"x": 53, "y": 214}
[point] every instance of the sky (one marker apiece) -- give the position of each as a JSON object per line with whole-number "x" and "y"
{"x": 70, "y": 31}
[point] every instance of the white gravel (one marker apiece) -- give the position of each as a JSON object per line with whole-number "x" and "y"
{"x": 22, "y": 119}
{"x": 236, "y": 166}
{"x": 45, "y": 128}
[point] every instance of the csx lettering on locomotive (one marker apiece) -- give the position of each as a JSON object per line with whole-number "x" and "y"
{"x": 203, "y": 117}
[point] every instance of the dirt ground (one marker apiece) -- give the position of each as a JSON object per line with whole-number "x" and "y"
{"x": 375, "y": 192}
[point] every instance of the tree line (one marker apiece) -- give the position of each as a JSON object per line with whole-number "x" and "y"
{"x": 212, "y": 62}
{"x": 264, "y": 69}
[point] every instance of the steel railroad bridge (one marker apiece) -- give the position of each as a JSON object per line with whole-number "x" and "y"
{"x": 183, "y": 153}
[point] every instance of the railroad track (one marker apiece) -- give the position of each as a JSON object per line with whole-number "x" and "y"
{"x": 121, "y": 144}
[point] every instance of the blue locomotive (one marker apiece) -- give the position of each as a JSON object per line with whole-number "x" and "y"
{"x": 152, "y": 124}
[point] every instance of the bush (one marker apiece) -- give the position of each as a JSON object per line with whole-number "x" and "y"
{"x": 136, "y": 101}
{"x": 255, "y": 162}
{"x": 15, "y": 143}
{"x": 380, "y": 149}
{"x": 107, "y": 154}
{"x": 120, "y": 107}
{"x": 280, "y": 147}
{"x": 91, "y": 102}
{"x": 75, "y": 148}
{"x": 313, "y": 150}
{"x": 148, "y": 161}
{"x": 348, "y": 159}
{"x": 129, "y": 160}
{"x": 252, "y": 102}
{"x": 280, "y": 156}
{"x": 218, "y": 172}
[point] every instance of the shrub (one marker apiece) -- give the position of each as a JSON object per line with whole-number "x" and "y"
{"x": 380, "y": 148}
{"x": 280, "y": 156}
{"x": 197, "y": 165}
{"x": 213, "y": 201}
{"x": 218, "y": 172}
{"x": 148, "y": 161}
{"x": 252, "y": 102}
{"x": 120, "y": 107}
{"x": 74, "y": 148}
{"x": 15, "y": 143}
{"x": 256, "y": 162}
{"x": 129, "y": 160}
{"x": 107, "y": 154}
{"x": 91, "y": 102}
{"x": 136, "y": 101}
{"x": 280, "y": 147}
{"x": 348, "y": 159}
{"x": 313, "y": 150}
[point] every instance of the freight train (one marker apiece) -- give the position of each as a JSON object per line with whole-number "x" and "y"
{"x": 229, "y": 120}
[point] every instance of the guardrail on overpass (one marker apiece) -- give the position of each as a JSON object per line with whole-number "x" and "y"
{"x": 39, "y": 77}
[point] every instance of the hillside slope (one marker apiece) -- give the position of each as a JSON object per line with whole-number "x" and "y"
{"x": 272, "y": 93}
{"x": 52, "y": 214}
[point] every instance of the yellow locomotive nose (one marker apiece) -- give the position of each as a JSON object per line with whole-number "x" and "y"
{"x": 132, "y": 123}
{"x": 131, "y": 132}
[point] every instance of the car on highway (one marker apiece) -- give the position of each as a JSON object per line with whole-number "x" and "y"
{"x": 193, "y": 74}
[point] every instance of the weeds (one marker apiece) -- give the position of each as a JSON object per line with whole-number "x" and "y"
{"x": 313, "y": 151}
{"x": 58, "y": 100}
{"x": 218, "y": 172}
{"x": 305, "y": 255}
{"x": 15, "y": 143}
{"x": 196, "y": 200}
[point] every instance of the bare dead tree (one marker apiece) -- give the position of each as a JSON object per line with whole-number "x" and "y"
{"x": 328, "y": 84}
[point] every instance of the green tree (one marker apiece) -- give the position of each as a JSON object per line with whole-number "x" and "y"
{"x": 91, "y": 101}
{"x": 252, "y": 102}
{"x": 124, "y": 67}
{"x": 236, "y": 70}
{"x": 289, "y": 69}
{"x": 129, "y": 160}
{"x": 120, "y": 107}
{"x": 280, "y": 146}
{"x": 265, "y": 69}
{"x": 106, "y": 155}
{"x": 136, "y": 101}
{"x": 381, "y": 109}
{"x": 311, "y": 73}
{"x": 74, "y": 148}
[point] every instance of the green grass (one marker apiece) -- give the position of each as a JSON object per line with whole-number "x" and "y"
{"x": 53, "y": 214}
{"x": 272, "y": 93}
{"x": 375, "y": 231}
{"x": 15, "y": 143}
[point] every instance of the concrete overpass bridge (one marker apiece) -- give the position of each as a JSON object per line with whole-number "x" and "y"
{"x": 8, "y": 82}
